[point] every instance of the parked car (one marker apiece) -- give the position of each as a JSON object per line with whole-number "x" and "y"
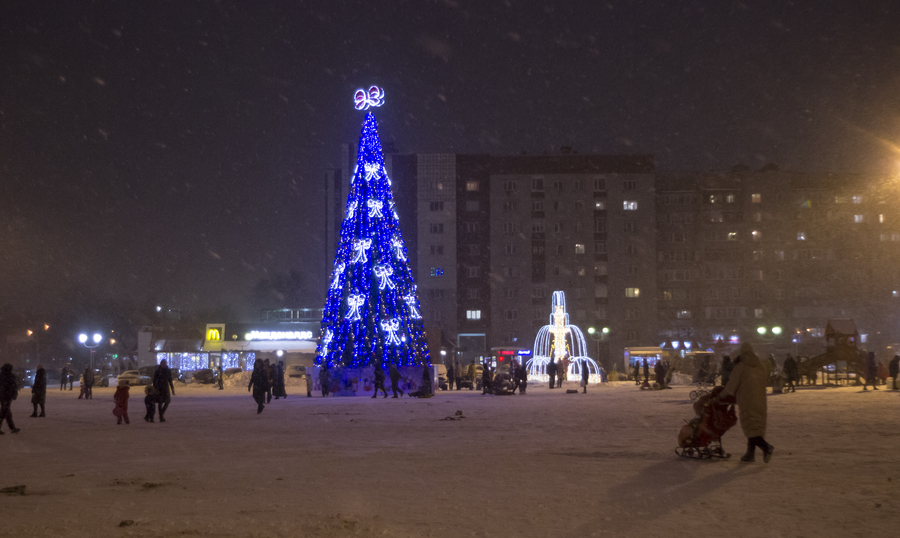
{"x": 134, "y": 377}
{"x": 295, "y": 370}
{"x": 205, "y": 376}
{"x": 100, "y": 380}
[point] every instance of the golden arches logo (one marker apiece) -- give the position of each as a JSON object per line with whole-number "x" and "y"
{"x": 213, "y": 335}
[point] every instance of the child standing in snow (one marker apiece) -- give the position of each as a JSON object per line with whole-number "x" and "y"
{"x": 121, "y": 399}
{"x": 149, "y": 403}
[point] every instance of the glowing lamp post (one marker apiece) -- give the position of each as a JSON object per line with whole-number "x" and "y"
{"x": 83, "y": 338}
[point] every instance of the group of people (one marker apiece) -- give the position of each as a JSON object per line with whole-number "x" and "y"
{"x": 661, "y": 370}
{"x": 504, "y": 382}
{"x": 157, "y": 396}
{"x": 266, "y": 381}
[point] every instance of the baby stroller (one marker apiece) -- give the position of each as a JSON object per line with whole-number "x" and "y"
{"x": 701, "y": 438}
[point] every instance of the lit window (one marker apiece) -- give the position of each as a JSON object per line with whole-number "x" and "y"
{"x": 473, "y": 314}
{"x": 732, "y": 236}
{"x": 437, "y": 271}
{"x": 579, "y": 248}
{"x": 600, "y": 204}
{"x": 857, "y": 218}
{"x": 857, "y": 199}
{"x": 580, "y": 271}
{"x": 632, "y": 293}
{"x": 756, "y": 235}
{"x": 801, "y": 236}
{"x": 758, "y": 313}
{"x": 729, "y": 198}
{"x": 683, "y": 314}
{"x": 756, "y": 198}
{"x": 881, "y": 219}
{"x": 471, "y": 185}
{"x": 630, "y": 205}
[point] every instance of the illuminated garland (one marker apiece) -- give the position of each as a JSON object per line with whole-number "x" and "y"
{"x": 553, "y": 339}
{"x": 372, "y": 311}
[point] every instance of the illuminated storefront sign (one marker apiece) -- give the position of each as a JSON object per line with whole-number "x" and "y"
{"x": 278, "y": 335}
{"x": 213, "y": 335}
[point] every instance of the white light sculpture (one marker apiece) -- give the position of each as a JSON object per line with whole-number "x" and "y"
{"x": 384, "y": 272}
{"x": 354, "y": 301}
{"x": 411, "y": 302}
{"x": 336, "y": 281}
{"x": 374, "y": 208}
{"x": 359, "y": 251}
{"x": 562, "y": 340}
{"x": 391, "y": 326}
{"x": 398, "y": 246}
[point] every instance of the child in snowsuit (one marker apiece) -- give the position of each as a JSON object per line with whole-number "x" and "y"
{"x": 149, "y": 403}
{"x": 121, "y": 399}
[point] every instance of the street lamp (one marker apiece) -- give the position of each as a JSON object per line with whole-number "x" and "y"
{"x": 83, "y": 338}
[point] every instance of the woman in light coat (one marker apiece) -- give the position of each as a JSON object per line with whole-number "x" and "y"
{"x": 747, "y": 385}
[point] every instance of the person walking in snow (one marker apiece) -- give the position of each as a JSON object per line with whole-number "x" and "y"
{"x": 871, "y": 372}
{"x": 747, "y": 385}
{"x": 149, "y": 403}
{"x": 457, "y": 373}
{"x": 585, "y": 375}
{"x": 791, "y": 372}
{"x": 551, "y": 372}
{"x": 121, "y": 399}
{"x": 727, "y": 366}
{"x": 660, "y": 371}
{"x": 325, "y": 379}
{"x": 450, "y": 379}
{"x": 522, "y": 376}
{"x": 164, "y": 388}
{"x": 309, "y": 383}
{"x": 9, "y": 391}
{"x": 487, "y": 379}
{"x": 395, "y": 379}
{"x": 63, "y": 378}
{"x": 637, "y": 373}
{"x": 646, "y": 373}
{"x": 894, "y": 371}
{"x": 259, "y": 384}
{"x": 278, "y": 390}
{"x": 379, "y": 380}
{"x": 270, "y": 376}
{"x": 39, "y": 391}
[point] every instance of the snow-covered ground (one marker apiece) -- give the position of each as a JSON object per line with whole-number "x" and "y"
{"x": 546, "y": 464}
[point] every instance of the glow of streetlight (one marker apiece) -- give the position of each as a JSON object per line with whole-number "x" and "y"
{"x": 776, "y": 330}
{"x": 591, "y": 330}
{"x": 82, "y": 338}
{"x": 605, "y": 330}
{"x": 97, "y": 338}
{"x": 761, "y": 330}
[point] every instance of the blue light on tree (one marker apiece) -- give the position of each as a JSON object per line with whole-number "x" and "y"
{"x": 372, "y": 311}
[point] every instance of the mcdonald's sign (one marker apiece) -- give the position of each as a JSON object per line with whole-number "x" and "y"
{"x": 213, "y": 335}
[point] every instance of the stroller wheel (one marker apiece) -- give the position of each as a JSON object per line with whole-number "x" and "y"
{"x": 693, "y": 395}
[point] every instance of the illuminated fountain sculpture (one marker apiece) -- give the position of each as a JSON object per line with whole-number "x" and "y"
{"x": 561, "y": 340}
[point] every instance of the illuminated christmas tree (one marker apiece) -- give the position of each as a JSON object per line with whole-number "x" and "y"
{"x": 372, "y": 310}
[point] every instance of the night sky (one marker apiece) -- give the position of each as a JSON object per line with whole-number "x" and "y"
{"x": 175, "y": 151}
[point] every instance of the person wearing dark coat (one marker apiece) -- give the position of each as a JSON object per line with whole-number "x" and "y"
{"x": 487, "y": 378}
{"x": 63, "y": 378}
{"x": 551, "y": 372}
{"x": 220, "y": 377}
{"x": 9, "y": 391}
{"x": 646, "y": 373}
{"x": 379, "y": 380}
{"x": 71, "y": 378}
{"x": 121, "y": 398}
{"x": 585, "y": 375}
{"x": 395, "y": 379}
{"x": 259, "y": 384}
{"x": 164, "y": 388}
{"x": 894, "y": 371}
{"x": 88, "y": 385}
{"x": 450, "y": 378}
{"x": 637, "y": 373}
{"x": 325, "y": 379}
{"x": 458, "y": 373}
{"x": 278, "y": 387}
{"x": 660, "y": 372}
{"x": 149, "y": 403}
{"x": 871, "y": 372}
{"x": 39, "y": 391}
{"x": 791, "y": 372}
{"x": 522, "y": 375}
{"x": 727, "y": 366}
{"x": 270, "y": 373}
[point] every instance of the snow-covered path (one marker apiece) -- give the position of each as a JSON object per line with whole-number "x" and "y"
{"x": 546, "y": 464}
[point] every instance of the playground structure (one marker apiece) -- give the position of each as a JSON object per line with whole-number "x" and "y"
{"x": 841, "y": 358}
{"x": 561, "y": 340}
